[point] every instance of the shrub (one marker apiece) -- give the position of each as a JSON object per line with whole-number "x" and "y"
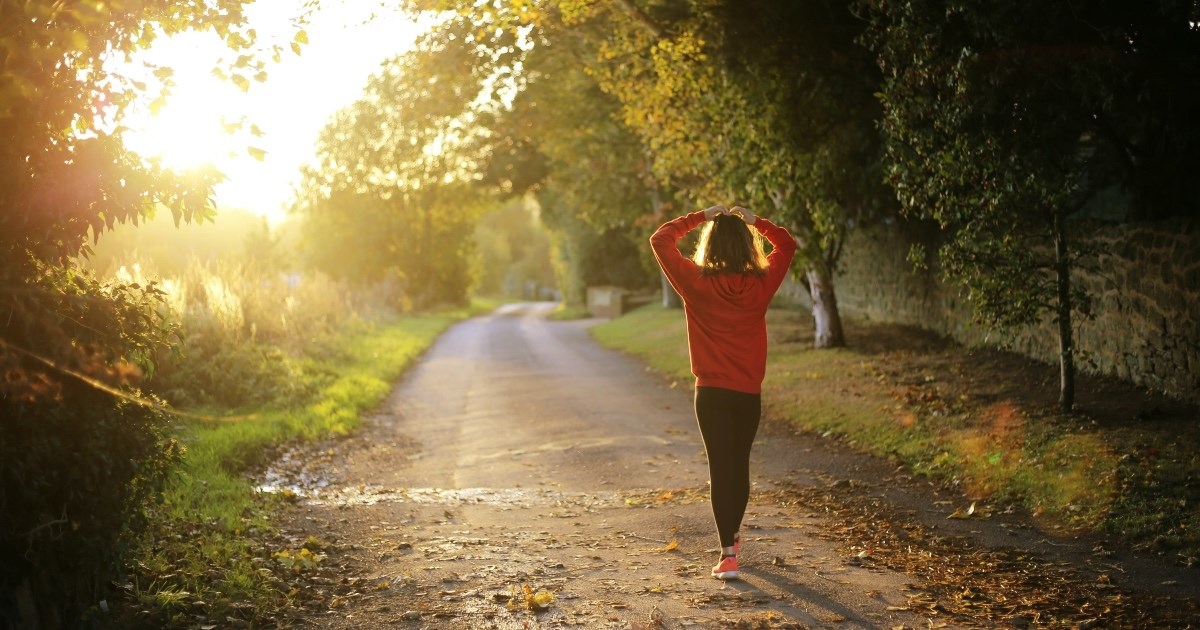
{"x": 242, "y": 328}
{"x": 76, "y": 478}
{"x": 80, "y": 456}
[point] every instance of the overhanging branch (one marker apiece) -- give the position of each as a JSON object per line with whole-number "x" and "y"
{"x": 641, "y": 18}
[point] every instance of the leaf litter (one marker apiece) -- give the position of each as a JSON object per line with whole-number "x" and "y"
{"x": 981, "y": 587}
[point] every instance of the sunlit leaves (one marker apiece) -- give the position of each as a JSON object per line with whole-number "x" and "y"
{"x": 51, "y": 89}
{"x": 241, "y": 81}
{"x": 395, "y": 183}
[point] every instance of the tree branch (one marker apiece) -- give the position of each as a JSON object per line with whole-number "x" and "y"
{"x": 116, "y": 393}
{"x": 642, "y": 19}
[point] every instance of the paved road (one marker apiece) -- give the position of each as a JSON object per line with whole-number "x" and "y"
{"x": 519, "y": 453}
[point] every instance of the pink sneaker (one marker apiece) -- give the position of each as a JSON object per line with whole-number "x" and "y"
{"x": 726, "y": 569}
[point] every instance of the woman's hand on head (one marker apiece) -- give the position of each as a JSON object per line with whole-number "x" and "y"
{"x": 743, "y": 214}
{"x": 714, "y": 211}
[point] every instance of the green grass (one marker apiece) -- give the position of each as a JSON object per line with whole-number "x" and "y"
{"x": 563, "y": 312}
{"x": 207, "y": 540}
{"x": 937, "y": 409}
{"x": 655, "y": 334}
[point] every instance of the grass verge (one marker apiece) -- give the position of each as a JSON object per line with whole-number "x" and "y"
{"x": 211, "y": 554}
{"x": 562, "y": 312}
{"x": 985, "y": 421}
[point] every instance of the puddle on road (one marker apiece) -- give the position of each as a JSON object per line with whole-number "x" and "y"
{"x": 294, "y": 474}
{"x": 510, "y": 497}
{"x": 290, "y": 473}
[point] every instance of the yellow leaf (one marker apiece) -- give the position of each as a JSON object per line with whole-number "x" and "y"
{"x": 539, "y": 600}
{"x": 301, "y": 37}
{"x": 157, "y": 104}
{"x": 671, "y": 546}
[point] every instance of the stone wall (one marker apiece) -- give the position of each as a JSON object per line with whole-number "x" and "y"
{"x": 1145, "y": 286}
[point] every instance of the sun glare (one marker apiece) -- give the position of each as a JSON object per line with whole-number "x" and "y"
{"x": 189, "y": 129}
{"x": 206, "y": 120}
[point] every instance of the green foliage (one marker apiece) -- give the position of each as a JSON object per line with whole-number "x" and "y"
{"x": 74, "y": 493}
{"x": 405, "y": 243}
{"x": 584, "y": 256}
{"x": 595, "y": 168}
{"x": 999, "y": 155}
{"x": 1035, "y": 107}
{"x": 514, "y": 252}
{"x": 766, "y": 104}
{"x": 1004, "y": 121}
{"x": 595, "y": 195}
{"x": 63, "y": 168}
{"x": 395, "y": 195}
{"x": 244, "y": 330}
{"x": 70, "y": 346}
{"x": 80, "y": 461}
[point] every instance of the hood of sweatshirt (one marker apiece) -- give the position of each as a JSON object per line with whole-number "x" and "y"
{"x": 738, "y": 289}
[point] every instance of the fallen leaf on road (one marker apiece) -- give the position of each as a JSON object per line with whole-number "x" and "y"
{"x": 961, "y": 513}
{"x": 671, "y": 546}
{"x": 536, "y": 601}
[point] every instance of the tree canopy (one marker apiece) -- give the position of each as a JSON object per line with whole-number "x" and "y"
{"x": 396, "y": 187}
{"x": 755, "y": 103}
{"x": 759, "y": 103}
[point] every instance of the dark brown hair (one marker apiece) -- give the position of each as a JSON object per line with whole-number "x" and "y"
{"x": 728, "y": 245}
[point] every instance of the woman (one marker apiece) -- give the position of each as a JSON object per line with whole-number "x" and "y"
{"x": 726, "y": 288}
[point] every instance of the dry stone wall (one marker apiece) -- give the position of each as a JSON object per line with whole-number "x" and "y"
{"x": 1144, "y": 280}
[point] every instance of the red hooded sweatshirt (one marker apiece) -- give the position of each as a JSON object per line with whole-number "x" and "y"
{"x": 726, "y": 312}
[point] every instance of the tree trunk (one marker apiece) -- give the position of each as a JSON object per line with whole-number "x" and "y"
{"x": 826, "y": 319}
{"x": 818, "y": 279}
{"x": 670, "y": 299}
{"x": 1066, "y": 344}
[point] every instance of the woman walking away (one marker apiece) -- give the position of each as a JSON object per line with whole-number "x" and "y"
{"x": 726, "y": 288}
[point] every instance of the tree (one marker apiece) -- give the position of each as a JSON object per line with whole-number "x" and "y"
{"x": 399, "y": 171}
{"x": 1003, "y": 121}
{"x": 768, "y": 104}
{"x": 80, "y": 453}
{"x": 593, "y": 191}
{"x": 539, "y": 126}
{"x": 514, "y": 252}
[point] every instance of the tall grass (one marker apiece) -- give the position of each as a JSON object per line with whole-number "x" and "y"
{"x": 264, "y": 359}
{"x": 212, "y": 495}
{"x": 246, "y": 334}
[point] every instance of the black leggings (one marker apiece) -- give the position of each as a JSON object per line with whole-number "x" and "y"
{"x": 728, "y": 421}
